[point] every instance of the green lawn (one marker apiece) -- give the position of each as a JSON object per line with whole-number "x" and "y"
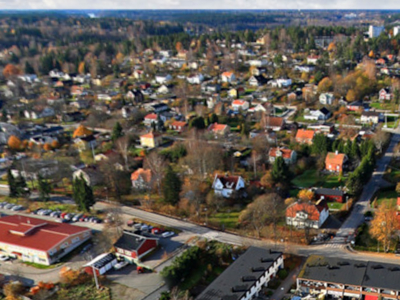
{"x": 308, "y": 179}
{"x": 335, "y": 205}
{"x": 229, "y": 219}
{"x": 332, "y": 181}
{"x": 393, "y": 175}
{"x": 383, "y": 105}
{"x": 384, "y": 196}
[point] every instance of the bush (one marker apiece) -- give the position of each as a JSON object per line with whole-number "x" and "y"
{"x": 282, "y": 274}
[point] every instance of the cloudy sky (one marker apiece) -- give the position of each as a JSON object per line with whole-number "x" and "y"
{"x": 199, "y": 4}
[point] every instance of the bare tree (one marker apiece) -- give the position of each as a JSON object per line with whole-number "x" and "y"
{"x": 123, "y": 144}
{"x": 156, "y": 163}
{"x": 380, "y": 139}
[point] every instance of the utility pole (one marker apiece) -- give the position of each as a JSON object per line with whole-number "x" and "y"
{"x": 95, "y": 277}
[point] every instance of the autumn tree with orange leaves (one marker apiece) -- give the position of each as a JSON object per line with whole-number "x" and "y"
{"x": 81, "y": 131}
{"x": 384, "y": 225}
{"x": 14, "y": 143}
{"x": 11, "y": 70}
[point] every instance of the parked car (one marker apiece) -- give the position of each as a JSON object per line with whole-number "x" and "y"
{"x": 17, "y": 208}
{"x": 121, "y": 264}
{"x": 167, "y": 234}
{"x": 77, "y": 217}
{"x": 4, "y": 257}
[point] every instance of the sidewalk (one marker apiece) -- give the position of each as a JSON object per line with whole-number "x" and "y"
{"x": 286, "y": 284}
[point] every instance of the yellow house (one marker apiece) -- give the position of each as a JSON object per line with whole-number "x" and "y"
{"x": 233, "y": 93}
{"x": 150, "y": 140}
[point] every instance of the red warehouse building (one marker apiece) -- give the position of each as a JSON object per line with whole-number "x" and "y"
{"x": 134, "y": 245}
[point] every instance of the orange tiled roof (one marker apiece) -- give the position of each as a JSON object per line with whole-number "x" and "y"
{"x": 151, "y": 117}
{"x": 305, "y": 134}
{"x": 313, "y": 210}
{"x": 227, "y": 74}
{"x": 286, "y": 153}
{"x": 333, "y": 158}
{"x": 150, "y": 135}
{"x": 217, "y": 127}
{"x": 238, "y": 102}
{"x": 144, "y": 173}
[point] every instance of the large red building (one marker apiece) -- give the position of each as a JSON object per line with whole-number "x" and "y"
{"x": 135, "y": 245}
{"x": 39, "y": 241}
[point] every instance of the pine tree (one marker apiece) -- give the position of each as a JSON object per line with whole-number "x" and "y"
{"x": 45, "y": 189}
{"x": 4, "y": 115}
{"x": 117, "y": 132}
{"x": 83, "y": 194}
{"x": 172, "y": 186}
{"x": 280, "y": 171}
{"x": 29, "y": 69}
{"x": 12, "y": 184}
{"x": 320, "y": 144}
{"x": 355, "y": 151}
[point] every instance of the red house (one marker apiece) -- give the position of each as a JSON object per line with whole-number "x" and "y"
{"x": 134, "y": 245}
{"x": 178, "y": 126}
{"x": 101, "y": 264}
{"x": 334, "y": 195}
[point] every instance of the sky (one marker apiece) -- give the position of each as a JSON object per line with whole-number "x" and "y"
{"x": 199, "y": 4}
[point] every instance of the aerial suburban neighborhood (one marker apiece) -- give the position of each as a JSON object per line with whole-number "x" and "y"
{"x": 200, "y": 154}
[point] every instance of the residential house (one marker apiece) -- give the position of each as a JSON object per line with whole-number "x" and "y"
{"x": 245, "y": 278}
{"x": 75, "y": 116}
{"x": 334, "y": 195}
{"x": 355, "y": 106}
{"x": 84, "y": 143}
{"x": 163, "y": 78}
{"x": 157, "y": 107}
{"x": 274, "y": 123}
{"x": 225, "y": 185}
{"x": 373, "y": 117}
{"x": 326, "y": 98}
{"x": 80, "y": 104}
{"x": 150, "y": 140}
{"x": 288, "y": 155}
{"x": 195, "y": 78}
{"x": 39, "y": 112}
{"x": 280, "y": 83}
{"x": 133, "y": 246}
{"x": 39, "y": 241}
{"x": 220, "y": 129}
{"x": 128, "y": 111}
{"x": 335, "y": 161}
{"x": 257, "y": 80}
{"x": 304, "y": 68}
{"x": 293, "y": 96}
{"x": 385, "y": 94}
{"x": 358, "y": 279}
{"x": 312, "y": 59}
{"x": 104, "y": 97}
{"x": 320, "y": 114}
{"x": 240, "y": 105}
{"x": 90, "y": 174}
{"x": 322, "y": 128}
{"x": 141, "y": 178}
{"x": 228, "y": 77}
{"x": 212, "y": 88}
{"x": 150, "y": 119}
{"x": 307, "y": 214}
{"x": 138, "y": 74}
{"x": 178, "y": 126}
{"x": 305, "y": 136}
{"x": 163, "y": 89}
{"x": 135, "y": 95}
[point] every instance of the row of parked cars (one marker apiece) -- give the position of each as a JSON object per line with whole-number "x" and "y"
{"x": 10, "y": 206}
{"x": 65, "y": 217}
{"x": 149, "y": 228}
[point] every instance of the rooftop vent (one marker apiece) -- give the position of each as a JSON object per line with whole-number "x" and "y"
{"x": 248, "y": 278}
{"x": 258, "y": 269}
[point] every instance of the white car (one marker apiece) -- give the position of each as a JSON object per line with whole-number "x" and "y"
{"x": 167, "y": 234}
{"x": 121, "y": 264}
{"x": 4, "y": 257}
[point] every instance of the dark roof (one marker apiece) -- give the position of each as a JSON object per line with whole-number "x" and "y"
{"x": 325, "y": 111}
{"x": 240, "y": 276}
{"x": 352, "y": 272}
{"x": 333, "y": 192}
{"x": 371, "y": 113}
{"x": 131, "y": 241}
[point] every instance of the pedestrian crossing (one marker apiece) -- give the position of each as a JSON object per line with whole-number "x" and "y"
{"x": 334, "y": 245}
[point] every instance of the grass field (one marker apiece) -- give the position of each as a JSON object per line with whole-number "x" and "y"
{"x": 332, "y": 181}
{"x": 335, "y": 205}
{"x": 229, "y": 219}
{"x": 308, "y": 179}
{"x": 386, "y": 196}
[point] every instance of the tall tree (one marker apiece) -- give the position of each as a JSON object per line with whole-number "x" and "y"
{"x": 385, "y": 225}
{"x": 11, "y": 184}
{"x": 117, "y": 132}
{"x": 83, "y": 194}
{"x": 172, "y": 186}
{"x": 280, "y": 172}
{"x": 44, "y": 187}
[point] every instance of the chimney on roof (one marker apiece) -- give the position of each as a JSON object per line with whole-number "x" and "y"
{"x": 336, "y": 152}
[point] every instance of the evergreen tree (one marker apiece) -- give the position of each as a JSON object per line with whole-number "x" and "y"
{"x": 347, "y": 148}
{"x": 4, "y": 115}
{"x": 21, "y": 186}
{"x": 355, "y": 151}
{"x": 28, "y": 68}
{"x": 213, "y": 119}
{"x": 171, "y": 186}
{"x": 280, "y": 172}
{"x": 354, "y": 184}
{"x": 117, "y": 132}
{"x": 45, "y": 189}
{"x": 320, "y": 144}
{"x": 12, "y": 184}
{"x": 83, "y": 194}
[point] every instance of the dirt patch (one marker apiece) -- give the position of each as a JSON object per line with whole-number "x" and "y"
{"x": 123, "y": 292}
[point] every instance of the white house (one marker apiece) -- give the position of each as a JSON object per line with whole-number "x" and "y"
{"x": 35, "y": 114}
{"x": 163, "y": 78}
{"x": 371, "y": 117}
{"x": 385, "y": 94}
{"x": 326, "y": 98}
{"x": 195, "y": 79}
{"x": 225, "y": 185}
{"x": 307, "y": 214}
{"x": 375, "y": 31}
{"x": 321, "y": 114}
{"x": 163, "y": 89}
{"x": 228, "y": 77}
{"x": 238, "y": 105}
{"x": 281, "y": 82}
